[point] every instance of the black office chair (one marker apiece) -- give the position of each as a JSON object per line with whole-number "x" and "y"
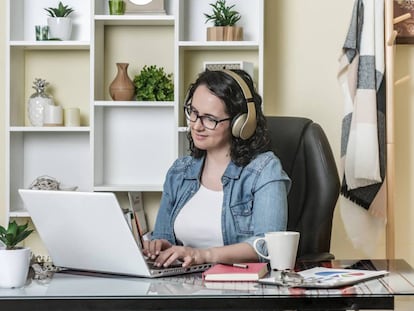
{"x": 307, "y": 158}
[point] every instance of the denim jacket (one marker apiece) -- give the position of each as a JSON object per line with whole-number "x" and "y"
{"x": 254, "y": 198}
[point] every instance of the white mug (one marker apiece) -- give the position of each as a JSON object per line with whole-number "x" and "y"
{"x": 282, "y": 248}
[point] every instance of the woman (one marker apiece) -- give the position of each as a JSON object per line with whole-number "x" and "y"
{"x": 231, "y": 189}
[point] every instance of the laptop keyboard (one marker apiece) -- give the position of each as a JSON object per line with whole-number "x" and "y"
{"x": 151, "y": 265}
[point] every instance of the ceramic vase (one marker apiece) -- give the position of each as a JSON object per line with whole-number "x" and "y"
{"x": 122, "y": 87}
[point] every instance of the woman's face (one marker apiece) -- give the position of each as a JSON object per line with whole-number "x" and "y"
{"x": 205, "y": 103}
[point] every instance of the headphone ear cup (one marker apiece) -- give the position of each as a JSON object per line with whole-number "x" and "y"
{"x": 237, "y": 124}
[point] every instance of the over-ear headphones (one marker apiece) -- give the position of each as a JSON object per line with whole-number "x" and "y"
{"x": 244, "y": 124}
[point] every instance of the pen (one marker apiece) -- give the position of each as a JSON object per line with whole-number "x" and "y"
{"x": 236, "y": 265}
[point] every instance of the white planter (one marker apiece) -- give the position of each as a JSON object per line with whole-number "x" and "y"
{"x": 14, "y": 267}
{"x": 59, "y": 27}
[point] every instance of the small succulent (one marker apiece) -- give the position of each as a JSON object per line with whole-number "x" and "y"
{"x": 60, "y": 11}
{"x": 14, "y": 234}
{"x": 223, "y": 15}
{"x": 153, "y": 84}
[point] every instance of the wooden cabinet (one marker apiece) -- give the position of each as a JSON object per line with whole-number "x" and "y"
{"x": 120, "y": 145}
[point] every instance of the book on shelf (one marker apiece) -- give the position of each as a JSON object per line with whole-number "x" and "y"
{"x": 136, "y": 218}
{"x": 137, "y": 207}
{"x": 130, "y": 218}
{"x": 252, "y": 271}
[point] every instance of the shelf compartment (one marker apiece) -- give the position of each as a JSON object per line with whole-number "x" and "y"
{"x": 61, "y": 155}
{"x": 25, "y": 14}
{"x": 192, "y": 26}
{"x": 102, "y": 10}
{"x": 55, "y": 66}
{"x": 136, "y": 45}
{"x": 193, "y": 63}
{"x": 134, "y": 146}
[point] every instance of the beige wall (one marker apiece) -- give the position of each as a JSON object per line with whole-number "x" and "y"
{"x": 303, "y": 41}
{"x": 2, "y": 110}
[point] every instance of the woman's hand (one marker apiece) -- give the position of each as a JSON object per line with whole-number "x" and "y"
{"x": 153, "y": 248}
{"x": 187, "y": 255}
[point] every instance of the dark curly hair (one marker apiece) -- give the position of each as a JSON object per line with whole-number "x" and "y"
{"x": 227, "y": 89}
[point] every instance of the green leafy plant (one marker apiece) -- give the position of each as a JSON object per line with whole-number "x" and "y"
{"x": 223, "y": 15}
{"x": 154, "y": 84}
{"x": 14, "y": 234}
{"x": 60, "y": 11}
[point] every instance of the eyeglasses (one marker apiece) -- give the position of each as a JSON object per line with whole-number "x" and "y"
{"x": 207, "y": 121}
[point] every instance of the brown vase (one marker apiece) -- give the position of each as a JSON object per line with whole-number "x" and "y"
{"x": 122, "y": 87}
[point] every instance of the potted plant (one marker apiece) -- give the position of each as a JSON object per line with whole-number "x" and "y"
{"x": 14, "y": 260}
{"x": 224, "y": 18}
{"x": 154, "y": 84}
{"x": 59, "y": 22}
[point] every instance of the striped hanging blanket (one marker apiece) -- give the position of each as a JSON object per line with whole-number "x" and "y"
{"x": 361, "y": 76}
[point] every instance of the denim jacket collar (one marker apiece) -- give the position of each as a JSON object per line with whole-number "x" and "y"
{"x": 232, "y": 171}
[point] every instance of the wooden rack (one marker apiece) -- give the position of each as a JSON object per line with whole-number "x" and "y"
{"x": 390, "y": 37}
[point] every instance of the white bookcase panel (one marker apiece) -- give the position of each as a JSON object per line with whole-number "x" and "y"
{"x": 61, "y": 155}
{"x": 134, "y": 146}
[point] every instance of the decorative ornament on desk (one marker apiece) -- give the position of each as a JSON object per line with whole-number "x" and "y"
{"x": 122, "y": 87}
{"x": 49, "y": 183}
{"x": 38, "y": 101}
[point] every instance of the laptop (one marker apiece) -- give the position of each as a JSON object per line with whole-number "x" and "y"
{"x": 88, "y": 231}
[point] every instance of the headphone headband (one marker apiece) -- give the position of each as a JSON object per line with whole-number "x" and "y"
{"x": 243, "y": 85}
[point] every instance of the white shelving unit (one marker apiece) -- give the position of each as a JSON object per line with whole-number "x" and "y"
{"x": 120, "y": 146}
{"x": 35, "y": 151}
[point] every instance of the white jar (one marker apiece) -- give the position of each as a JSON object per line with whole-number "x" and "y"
{"x": 36, "y": 107}
{"x": 52, "y": 115}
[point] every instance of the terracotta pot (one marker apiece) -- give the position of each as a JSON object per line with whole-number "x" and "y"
{"x": 122, "y": 87}
{"x": 225, "y": 33}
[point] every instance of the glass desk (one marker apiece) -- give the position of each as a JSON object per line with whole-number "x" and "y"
{"x": 84, "y": 291}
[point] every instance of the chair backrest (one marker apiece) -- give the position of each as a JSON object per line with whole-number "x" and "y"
{"x": 307, "y": 158}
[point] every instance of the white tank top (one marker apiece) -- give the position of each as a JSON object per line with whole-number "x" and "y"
{"x": 198, "y": 224}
